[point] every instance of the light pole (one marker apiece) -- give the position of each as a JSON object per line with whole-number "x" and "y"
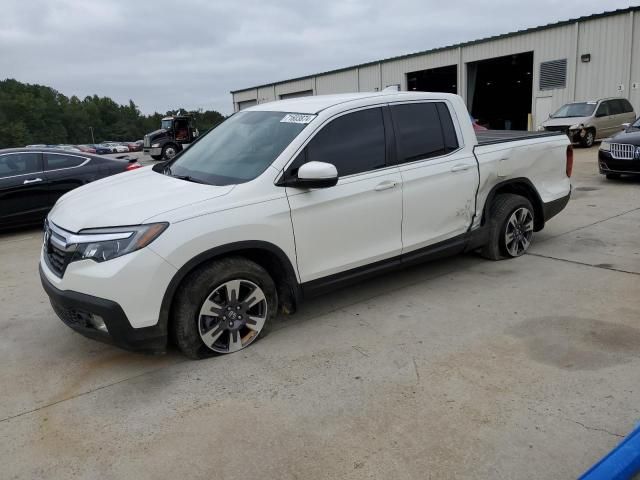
{"x": 93, "y": 140}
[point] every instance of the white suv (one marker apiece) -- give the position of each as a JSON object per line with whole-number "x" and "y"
{"x": 285, "y": 200}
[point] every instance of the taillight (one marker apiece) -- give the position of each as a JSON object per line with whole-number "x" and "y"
{"x": 133, "y": 166}
{"x": 569, "y": 160}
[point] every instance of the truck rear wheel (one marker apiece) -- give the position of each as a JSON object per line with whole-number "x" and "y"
{"x": 510, "y": 225}
{"x": 223, "y": 307}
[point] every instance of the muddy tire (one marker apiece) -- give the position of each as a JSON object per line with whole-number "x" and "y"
{"x": 223, "y": 307}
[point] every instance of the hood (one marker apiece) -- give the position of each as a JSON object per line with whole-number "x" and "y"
{"x": 157, "y": 133}
{"x": 129, "y": 198}
{"x": 629, "y": 136}
{"x": 565, "y": 122}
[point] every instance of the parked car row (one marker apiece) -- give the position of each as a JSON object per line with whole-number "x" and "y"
{"x": 32, "y": 179}
{"x": 97, "y": 148}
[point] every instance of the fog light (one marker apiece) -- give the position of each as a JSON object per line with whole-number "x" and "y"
{"x": 97, "y": 322}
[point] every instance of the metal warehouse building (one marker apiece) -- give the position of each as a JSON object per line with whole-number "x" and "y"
{"x": 511, "y": 81}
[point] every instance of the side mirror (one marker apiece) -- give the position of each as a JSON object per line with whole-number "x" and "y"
{"x": 625, "y": 126}
{"x": 316, "y": 175}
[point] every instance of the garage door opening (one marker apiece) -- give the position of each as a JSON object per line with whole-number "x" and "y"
{"x": 443, "y": 79}
{"x": 499, "y": 91}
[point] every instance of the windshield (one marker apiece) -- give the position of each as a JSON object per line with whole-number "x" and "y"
{"x": 583, "y": 109}
{"x": 240, "y": 148}
{"x": 166, "y": 124}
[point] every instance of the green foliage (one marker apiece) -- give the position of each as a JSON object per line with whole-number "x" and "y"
{"x": 35, "y": 114}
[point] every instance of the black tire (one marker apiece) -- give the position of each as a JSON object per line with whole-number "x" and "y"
{"x": 156, "y": 157}
{"x": 612, "y": 176}
{"x": 198, "y": 286}
{"x": 503, "y": 206}
{"x": 589, "y": 138}
{"x": 169, "y": 147}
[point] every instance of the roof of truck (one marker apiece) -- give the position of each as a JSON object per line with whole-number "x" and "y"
{"x": 315, "y": 104}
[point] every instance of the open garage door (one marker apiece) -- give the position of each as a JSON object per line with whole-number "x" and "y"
{"x": 443, "y": 79}
{"x": 499, "y": 91}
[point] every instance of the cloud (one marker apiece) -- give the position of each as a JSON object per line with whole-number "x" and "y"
{"x": 167, "y": 54}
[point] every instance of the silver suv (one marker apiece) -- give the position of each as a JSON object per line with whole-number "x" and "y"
{"x": 586, "y": 122}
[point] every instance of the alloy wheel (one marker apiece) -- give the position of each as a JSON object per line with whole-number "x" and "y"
{"x": 232, "y": 316}
{"x": 519, "y": 231}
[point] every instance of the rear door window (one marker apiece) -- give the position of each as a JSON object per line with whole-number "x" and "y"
{"x": 57, "y": 161}
{"x": 13, "y": 164}
{"x": 354, "y": 143}
{"x": 616, "y": 107}
{"x": 423, "y": 130}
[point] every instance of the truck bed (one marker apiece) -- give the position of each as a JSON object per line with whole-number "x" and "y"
{"x": 489, "y": 137}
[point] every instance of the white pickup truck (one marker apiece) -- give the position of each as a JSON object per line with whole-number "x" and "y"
{"x": 285, "y": 200}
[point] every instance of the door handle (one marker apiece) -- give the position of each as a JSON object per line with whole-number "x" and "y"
{"x": 32, "y": 180}
{"x": 460, "y": 168}
{"x": 385, "y": 185}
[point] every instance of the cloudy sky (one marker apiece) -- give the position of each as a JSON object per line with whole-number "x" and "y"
{"x": 191, "y": 53}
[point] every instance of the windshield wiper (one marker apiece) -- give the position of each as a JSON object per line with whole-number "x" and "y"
{"x": 188, "y": 178}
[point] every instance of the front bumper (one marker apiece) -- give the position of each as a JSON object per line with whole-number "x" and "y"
{"x": 74, "y": 309}
{"x": 156, "y": 151}
{"x": 608, "y": 164}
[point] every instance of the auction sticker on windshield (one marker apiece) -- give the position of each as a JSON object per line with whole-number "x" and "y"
{"x": 297, "y": 118}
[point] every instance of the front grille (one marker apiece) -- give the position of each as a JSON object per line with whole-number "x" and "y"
{"x": 56, "y": 258}
{"x": 557, "y": 128}
{"x": 147, "y": 142}
{"x": 620, "y": 151}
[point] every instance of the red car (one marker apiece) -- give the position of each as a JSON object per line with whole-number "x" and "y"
{"x": 86, "y": 148}
{"x": 134, "y": 146}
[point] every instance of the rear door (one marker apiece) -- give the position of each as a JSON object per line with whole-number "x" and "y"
{"x": 23, "y": 188}
{"x": 66, "y": 171}
{"x": 356, "y": 222}
{"x": 439, "y": 177}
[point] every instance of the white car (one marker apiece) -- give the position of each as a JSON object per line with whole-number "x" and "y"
{"x": 285, "y": 200}
{"x": 116, "y": 147}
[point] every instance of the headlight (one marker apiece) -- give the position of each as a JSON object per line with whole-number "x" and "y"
{"x": 102, "y": 244}
{"x": 155, "y": 145}
{"x": 605, "y": 146}
{"x": 540, "y": 128}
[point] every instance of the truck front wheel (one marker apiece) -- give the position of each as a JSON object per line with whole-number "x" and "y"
{"x": 169, "y": 151}
{"x": 510, "y": 227}
{"x": 589, "y": 138}
{"x": 222, "y": 307}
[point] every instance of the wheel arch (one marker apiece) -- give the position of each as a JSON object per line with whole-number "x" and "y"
{"x": 265, "y": 254}
{"x": 517, "y": 186}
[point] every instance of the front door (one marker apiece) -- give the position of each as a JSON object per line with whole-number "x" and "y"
{"x": 23, "y": 188}
{"x": 358, "y": 221}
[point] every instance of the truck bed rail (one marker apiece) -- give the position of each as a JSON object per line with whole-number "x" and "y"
{"x": 489, "y": 137}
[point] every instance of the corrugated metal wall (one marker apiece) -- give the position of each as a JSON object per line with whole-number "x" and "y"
{"x": 613, "y": 43}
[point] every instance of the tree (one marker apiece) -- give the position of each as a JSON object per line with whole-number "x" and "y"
{"x": 31, "y": 114}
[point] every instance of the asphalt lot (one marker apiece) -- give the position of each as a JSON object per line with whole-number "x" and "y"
{"x": 463, "y": 368}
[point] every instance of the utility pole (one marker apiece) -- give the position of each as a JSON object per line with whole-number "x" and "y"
{"x": 93, "y": 140}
